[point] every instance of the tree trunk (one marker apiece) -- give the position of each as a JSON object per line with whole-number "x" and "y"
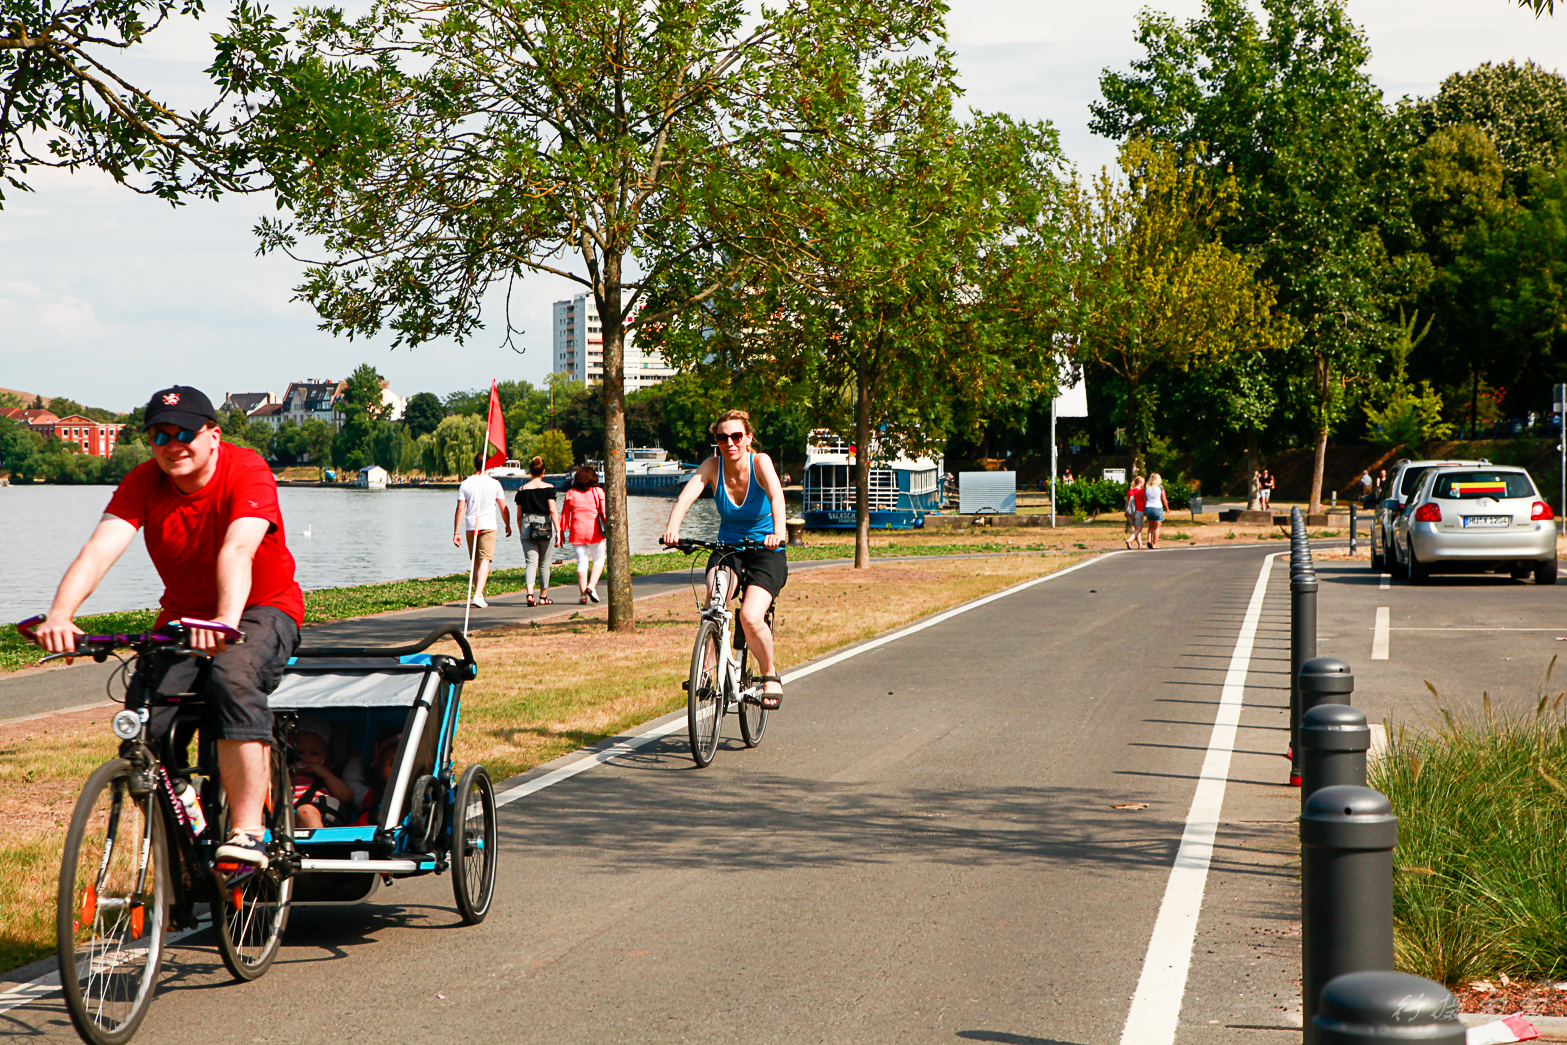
{"x": 1317, "y": 465}
{"x": 1132, "y": 426}
{"x": 862, "y": 471}
{"x": 1253, "y": 487}
{"x": 1474, "y": 402}
{"x": 621, "y": 616}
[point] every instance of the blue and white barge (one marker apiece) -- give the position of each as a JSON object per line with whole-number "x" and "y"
{"x": 903, "y": 490}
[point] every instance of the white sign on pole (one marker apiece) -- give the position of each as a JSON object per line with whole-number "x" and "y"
{"x": 1073, "y": 400}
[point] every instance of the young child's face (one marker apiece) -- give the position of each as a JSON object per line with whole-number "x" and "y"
{"x": 311, "y": 747}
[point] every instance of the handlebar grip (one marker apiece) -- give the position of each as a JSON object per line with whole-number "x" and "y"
{"x": 27, "y": 630}
{"x": 230, "y": 634}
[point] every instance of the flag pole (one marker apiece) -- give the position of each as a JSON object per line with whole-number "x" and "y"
{"x": 484, "y": 450}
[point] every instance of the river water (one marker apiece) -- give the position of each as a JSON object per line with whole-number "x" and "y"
{"x": 337, "y": 536}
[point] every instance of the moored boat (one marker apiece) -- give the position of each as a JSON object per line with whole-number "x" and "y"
{"x": 903, "y": 489}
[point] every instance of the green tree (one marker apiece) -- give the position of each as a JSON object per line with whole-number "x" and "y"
{"x": 361, "y": 407}
{"x": 125, "y": 457}
{"x": 69, "y": 102}
{"x": 436, "y": 150}
{"x": 1156, "y": 288}
{"x": 1407, "y": 417}
{"x": 423, "y": 413}
{"x": 314, "y": 442}
{"x": 455, "y": 442}
{"x": 19, "y": 448}
{"x": 1321, "y": 166}
{"x": 1521, "y": 108}
{"x": 389, "y": 445}
{"x": 555, "y": 448}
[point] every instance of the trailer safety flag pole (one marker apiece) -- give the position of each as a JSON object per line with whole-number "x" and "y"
{"x": 494, "y": 437}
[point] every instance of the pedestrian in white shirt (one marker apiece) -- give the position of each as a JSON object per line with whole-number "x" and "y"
{"x": 478, "y": 499}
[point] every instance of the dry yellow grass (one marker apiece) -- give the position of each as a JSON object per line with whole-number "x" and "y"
{"x": 543, "y": 691}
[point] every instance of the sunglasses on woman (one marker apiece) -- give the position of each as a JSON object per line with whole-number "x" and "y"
{"x": 184, "y": 435}
{"x": 731, "y": 437}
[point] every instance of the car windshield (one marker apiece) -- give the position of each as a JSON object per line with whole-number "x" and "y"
{"x": 1465, "y": 486}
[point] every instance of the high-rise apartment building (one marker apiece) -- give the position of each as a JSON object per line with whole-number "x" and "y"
{"x": 579, "y": 348}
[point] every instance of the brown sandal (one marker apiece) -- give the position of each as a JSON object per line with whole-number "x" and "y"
{"x": 770, "y": 701}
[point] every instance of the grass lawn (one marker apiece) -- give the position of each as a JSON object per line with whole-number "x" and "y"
{"x": 543, "y": 690}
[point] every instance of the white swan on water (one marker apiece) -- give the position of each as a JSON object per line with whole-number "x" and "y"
{"x": 305, "y": 532}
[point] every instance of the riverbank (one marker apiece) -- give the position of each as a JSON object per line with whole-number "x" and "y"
{"x": 544, "y": 689}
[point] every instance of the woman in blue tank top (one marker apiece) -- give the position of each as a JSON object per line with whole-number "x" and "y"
{"x": 750, "y": 505}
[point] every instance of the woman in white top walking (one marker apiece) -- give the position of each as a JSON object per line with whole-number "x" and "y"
{"x": 1156, "y": 503}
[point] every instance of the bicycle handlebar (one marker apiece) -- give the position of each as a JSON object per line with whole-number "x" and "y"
{"x": 95, "y": 643}
{"x": 691, "y": 544}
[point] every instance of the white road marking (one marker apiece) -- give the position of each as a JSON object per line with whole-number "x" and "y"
{"x": 1387, "y": 582}
{"x": 1379, "y": 633}
{"x": 1491, "y": 628}
{"x": 49, "y": 982}
{"x": 1156, "y": 1007}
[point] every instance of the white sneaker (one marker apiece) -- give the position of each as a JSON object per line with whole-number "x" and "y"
{"x": 478, "y": 600}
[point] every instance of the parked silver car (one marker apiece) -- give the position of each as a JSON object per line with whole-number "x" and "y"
{"x": 1476, "y": 518}
{"x": 1401, "y": 483}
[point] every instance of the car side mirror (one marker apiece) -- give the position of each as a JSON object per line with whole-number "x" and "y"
{"x": 1395, "y": 508}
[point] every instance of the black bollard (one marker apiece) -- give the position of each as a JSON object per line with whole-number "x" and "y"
{"x": 1334, "y": 740}
{"x": 1366, "y": 1008}
{"x": 1353, "y": 520}
{"x": 1303, "y": 647}
{"x": 1347, "y": 835}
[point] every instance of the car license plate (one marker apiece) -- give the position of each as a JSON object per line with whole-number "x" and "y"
{"x": 1488, "y": 520}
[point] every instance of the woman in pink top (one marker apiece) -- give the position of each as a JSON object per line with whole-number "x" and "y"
{"x": 582, "y": 523}
{"x": 1136, "y": 503}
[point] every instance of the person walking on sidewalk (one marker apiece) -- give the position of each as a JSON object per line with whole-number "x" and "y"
{"x": 479, "y": 498}
{"x": 538, "y": 521}
{"x": 583, "y": 524}
{"x": 1265, "y": 485}
{"x": 1136, "y": 500}
{"x": 1155, "y": 504}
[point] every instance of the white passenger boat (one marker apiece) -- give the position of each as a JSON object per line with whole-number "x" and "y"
{"x": 903, "y": 489}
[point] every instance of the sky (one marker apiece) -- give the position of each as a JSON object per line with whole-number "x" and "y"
{"x": 106, "y": 295}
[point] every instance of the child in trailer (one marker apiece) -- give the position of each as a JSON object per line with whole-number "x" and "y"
{"x": 322, "y": 798}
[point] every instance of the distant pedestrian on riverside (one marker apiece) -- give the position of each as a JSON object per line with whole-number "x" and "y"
{"x": 1365, "y": 489}
{"x": 1155, "y": 504}
{"x": 1265, "y": 485}
{"x": 1135, "y": 502}
{"x": 538, "y": 521}
{"x": 1066, "y": 478}
{"x": 582, "y": 523}
{"x": 479, "y": 498}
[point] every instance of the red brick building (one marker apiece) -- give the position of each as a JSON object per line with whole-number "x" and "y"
{"x": 98, "y": 438}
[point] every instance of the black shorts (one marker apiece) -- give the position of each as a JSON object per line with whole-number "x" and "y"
{"x": 768, "y": 570}
{"x": 239, "y": 679}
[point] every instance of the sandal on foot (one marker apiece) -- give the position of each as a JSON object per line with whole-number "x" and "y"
{"x": 770, "y": 701}
{"x": 545, "y": 600}
{"x": 584, "y": 599}
{"x": 531, "y": 602}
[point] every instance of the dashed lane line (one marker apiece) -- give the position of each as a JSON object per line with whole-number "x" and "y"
{"x": 1379, "y": 634}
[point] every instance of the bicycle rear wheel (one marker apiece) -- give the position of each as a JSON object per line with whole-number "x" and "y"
{"x": 704, "y": 694}
{"x": 251, "y": 911}
{"x": 113, "y": 905}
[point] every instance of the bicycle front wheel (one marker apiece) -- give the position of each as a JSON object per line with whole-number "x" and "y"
{"x": 250, "y": 911}
{"x": 113, "y": 905}
{"x": 753, "y": 717}
{"x": 704, "y": 694}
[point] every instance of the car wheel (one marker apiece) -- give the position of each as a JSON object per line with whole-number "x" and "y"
{"x": 1545, "y": 572}
{"x": 1417, "y": 571}
{"x": 1395, "y": 566}
{"x": 1378, "y": 561}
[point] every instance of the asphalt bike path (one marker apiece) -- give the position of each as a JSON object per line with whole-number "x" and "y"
{"x": 926, "y": 847}
{"x": 61, "y": 687}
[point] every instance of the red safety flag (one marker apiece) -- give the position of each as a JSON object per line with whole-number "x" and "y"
{"x": 495, "y": 432}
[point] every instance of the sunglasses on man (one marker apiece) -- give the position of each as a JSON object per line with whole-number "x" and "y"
{"x": 184, "y": 435}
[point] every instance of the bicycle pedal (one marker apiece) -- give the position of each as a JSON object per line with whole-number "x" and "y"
{"x": 686, "y": 685}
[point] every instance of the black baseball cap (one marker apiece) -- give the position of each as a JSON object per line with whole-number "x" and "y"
{"x": 180, "y": 405}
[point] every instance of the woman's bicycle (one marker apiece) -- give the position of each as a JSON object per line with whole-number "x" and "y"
{"x": 721, "y": 681}
{"x": 139, "y": 851}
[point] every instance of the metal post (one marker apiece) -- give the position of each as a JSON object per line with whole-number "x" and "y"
{"x": 1303, "y": 647}
{"x": 1347, "y": 835}
{"x": 1559, "y": 407}
{"x": 1334, "y": 740}
{"x": 1367, "y": 1008}
{"x": 1052, "y": 462}
{"x": 1353, "y": 519}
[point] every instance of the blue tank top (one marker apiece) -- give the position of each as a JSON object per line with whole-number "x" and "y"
{"x": 751, "y": 520}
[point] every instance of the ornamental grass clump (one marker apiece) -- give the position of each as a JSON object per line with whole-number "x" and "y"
{"x": 1480, "y": 879}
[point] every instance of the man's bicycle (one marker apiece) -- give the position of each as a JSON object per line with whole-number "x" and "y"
{"x": 139, "y": 851}
{"x": 721, "y": 681}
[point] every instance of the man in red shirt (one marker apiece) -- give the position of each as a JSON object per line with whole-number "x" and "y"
{"x": 213, "y": 530}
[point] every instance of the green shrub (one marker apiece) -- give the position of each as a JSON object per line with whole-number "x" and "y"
{"x": 1087, "y": 497}
{"x": 1480, "y": 886}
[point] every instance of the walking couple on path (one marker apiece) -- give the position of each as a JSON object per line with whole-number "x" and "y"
{"x": 1146, "y": 502}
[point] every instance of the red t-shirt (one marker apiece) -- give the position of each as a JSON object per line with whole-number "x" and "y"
{"x": 185, "y": 531}
{"x": 1140, "y": 498}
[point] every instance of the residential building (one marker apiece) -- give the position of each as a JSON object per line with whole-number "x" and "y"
{"x": 579, "y": 348}
{"x": 313, "y": 401}
{"x": 98, "y": 438}
{"x": 271, "y": 413}
{"x": 245, "y": 402}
